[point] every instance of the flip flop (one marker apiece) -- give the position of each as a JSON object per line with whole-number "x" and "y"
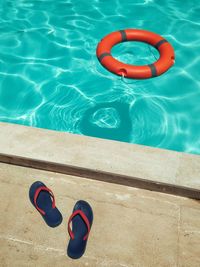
{"x": 81, "y": 218}
{"x": 43, "y": 200}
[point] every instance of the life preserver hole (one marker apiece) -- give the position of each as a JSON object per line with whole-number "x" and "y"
{"x": 122, "y": 72}
{"x": 173, "y": 59}
{"x": 135, "y": 53}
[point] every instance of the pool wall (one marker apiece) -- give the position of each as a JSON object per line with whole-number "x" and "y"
{"x": 110, "y": 161}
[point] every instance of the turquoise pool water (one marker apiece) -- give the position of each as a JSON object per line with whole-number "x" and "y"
{"x": 50, "y": 76}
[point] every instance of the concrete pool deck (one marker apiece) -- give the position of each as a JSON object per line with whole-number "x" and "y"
{"x": 110, "y": 161}
{"x": 132, "y": 227}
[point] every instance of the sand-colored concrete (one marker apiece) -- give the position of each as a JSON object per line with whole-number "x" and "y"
{"x": 145, "y": 163}
{"x": 132, "y": 227}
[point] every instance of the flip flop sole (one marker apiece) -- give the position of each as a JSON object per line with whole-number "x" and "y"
{"x": 52, "y": 216}
{"x": 77, "y": 246}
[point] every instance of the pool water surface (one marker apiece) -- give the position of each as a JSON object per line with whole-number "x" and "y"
{"x": 50, "y": 76}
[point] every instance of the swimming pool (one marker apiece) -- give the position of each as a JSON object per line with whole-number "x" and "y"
{"x": 50, "y": 76}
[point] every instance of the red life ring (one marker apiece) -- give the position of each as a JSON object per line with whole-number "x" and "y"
{"x": 165, "y": 49}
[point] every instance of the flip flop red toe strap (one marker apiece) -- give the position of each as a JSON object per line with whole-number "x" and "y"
{"x": 37, "y": 192}
{"x": 85, "y": 219}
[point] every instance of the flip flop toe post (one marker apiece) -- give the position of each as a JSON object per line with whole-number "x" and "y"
{"x": 43, "y": 200}
{"x": 81, "y": 219}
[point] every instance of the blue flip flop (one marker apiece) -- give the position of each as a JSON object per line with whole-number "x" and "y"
{"x": 81, "y": 218}
{"x": 43, "y": 200}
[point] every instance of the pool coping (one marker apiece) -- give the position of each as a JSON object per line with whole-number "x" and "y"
{"x": 138, "y": 166}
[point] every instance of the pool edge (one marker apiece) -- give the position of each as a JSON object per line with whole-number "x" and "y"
{"x": 104, "y": 160}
